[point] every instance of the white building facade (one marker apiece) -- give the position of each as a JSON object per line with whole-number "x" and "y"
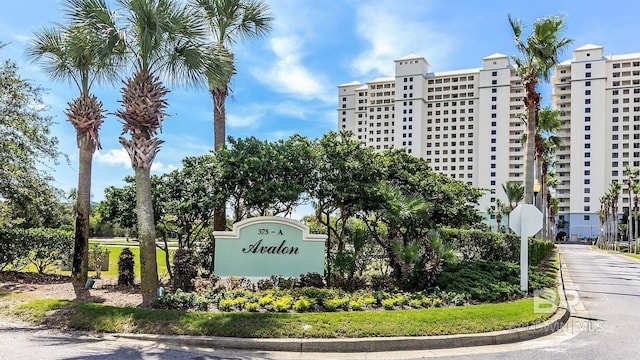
{"x": 598, "y": 98}
{"x": 466, "y": 123}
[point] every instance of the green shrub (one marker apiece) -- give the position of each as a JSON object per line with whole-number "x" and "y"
{"x": 14, "y": 247}
{"x": 341, "y": 303}
{"x": 97, "y": 254}
{"x": 266, "y": 301}
{"x": 304, "y": 304}
{"x": 226, "y": 305}
{"x": 252, "y": 307}
{"x": 476, "y": 245}
{"x": 416, "y": 303}
{"x": 126, "y": 263}
{"x": 179, "y": 300}
{"x": 48, "y": 247}
{"x": 482, "y": 280}
{"x": 184, "y": 271}
{"x": 283, "y": 304}
{"x": 539, "y": 250}
{"x": 313, "y": 280}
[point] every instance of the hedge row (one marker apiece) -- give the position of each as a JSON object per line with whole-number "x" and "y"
{"x": 474, "y": 245}
{"x": 39, "y": 247}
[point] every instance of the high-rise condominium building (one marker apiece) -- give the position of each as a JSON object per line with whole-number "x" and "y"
{"x": 466, "y": 123}
{"x": 598, "y": 98}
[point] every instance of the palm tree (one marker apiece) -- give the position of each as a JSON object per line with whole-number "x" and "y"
{"x": 501, "y": 208}
{"x": 164, "y": 38}
{"x": 546, "y": 143}
{"x": 552, "y": 181}
{"x": 229, "y": 21}
{"x": 539, "y": 55}
{"x": 514, "y": 192}
{"x": 605, "y": 202}
{"x": 636, "y": 191}
{"x": 554, "y": 204}
{"x": 614, "y": 189}
{"x": 632, "y": 174}
{"x": 74, "y": 53}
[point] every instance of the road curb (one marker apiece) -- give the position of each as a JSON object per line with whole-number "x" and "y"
{"x": 354, "y": 345}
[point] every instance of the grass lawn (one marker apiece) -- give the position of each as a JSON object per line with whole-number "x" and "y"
{"x": 634, "y": 256}
{"x": 435, "y": 321}
{"x": 113, "y": 262}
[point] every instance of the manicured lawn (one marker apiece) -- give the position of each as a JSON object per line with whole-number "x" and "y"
{"x": 113, "y": 262}
{"x": 435, "y": 321}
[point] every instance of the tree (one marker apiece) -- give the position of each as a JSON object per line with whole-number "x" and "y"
{"x": 632, "y": 174}
{"x": 161, "y": 38}
{"x": 636, "y": 191}
{"x": 264, "y": 178}
{"x": 26, "y": 148}
{"x": 229, "y": 21}
{"x": 345, "y": 181}
{"x": 514, "y": 192}
{"x": 614, "y": 190}
{"x": 75, "y": 53}
{"x": 539, "y": 54}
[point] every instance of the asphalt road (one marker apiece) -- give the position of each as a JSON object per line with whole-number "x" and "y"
{"x": 603, "y": 292}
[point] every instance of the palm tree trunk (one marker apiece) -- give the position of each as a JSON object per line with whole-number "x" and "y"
{"x": 219, "y": 134}
{"x": 80, "y": 267}
{"x": 146, "y": 235}
{"x": 532, "y": 109}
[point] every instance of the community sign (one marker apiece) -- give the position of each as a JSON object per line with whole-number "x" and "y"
{"x": 268, "y": 245}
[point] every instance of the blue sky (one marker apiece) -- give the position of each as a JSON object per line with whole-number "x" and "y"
{"x": 286, "y": 82}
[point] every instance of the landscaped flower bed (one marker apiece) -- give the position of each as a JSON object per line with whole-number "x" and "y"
{"x": 306, "y": 300}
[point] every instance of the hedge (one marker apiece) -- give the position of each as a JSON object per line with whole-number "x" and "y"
{"x": 39, "y": 247}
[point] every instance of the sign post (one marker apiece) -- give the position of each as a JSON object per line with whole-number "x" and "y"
{"x": 525, "y": 220}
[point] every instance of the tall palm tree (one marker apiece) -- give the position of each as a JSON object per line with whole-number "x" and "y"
{"x": 162, "y": 38}
{"x": 632, "y": 174}
{"x": 636, "y": 191}
{"x": 551, "y": 182}
{"x": 614, "y": 189}
{"x": 228, "y": 22}
{"x": 539, "y": 55}
{"x": 74, "y": 53}
{"x": 554, "y": 205}
{"x": 501, "y": 208}
{"x": 514, "y": 192}
{"x": 546, "y": 143}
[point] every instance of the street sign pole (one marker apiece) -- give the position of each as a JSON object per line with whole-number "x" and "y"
{"x": 525, "y": 220}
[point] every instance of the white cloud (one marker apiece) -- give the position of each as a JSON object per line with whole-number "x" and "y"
{"x": 113, "y": 157}
{"x": 246, "y": 119}
{"x": 161, "y": 168}
{"x": 288, "y": 75}
{"x": 394, "y": 30}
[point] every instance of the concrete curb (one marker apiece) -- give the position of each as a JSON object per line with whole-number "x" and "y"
{"x": 555, "y": 323}
{"x": 354, "y": 345}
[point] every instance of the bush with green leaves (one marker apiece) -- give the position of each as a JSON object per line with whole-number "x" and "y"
{"x": 126, "y": 262}
{"x": 490, "y": 281}
{"x": 473, "y": 245}
{"x": 14, "y": 247}
{"x": 184, "y": 271}
{"x": 97, "y": 255}
{"x": 48, "y": 247}
{"x": 539, "y": 250}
